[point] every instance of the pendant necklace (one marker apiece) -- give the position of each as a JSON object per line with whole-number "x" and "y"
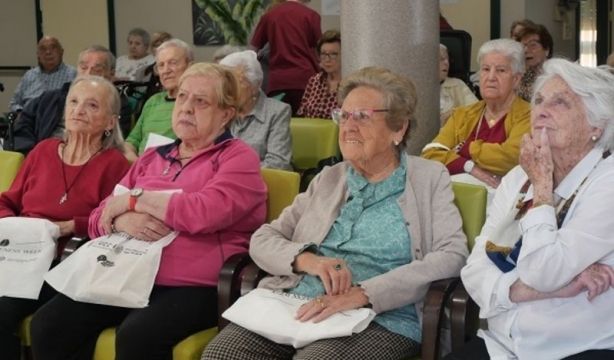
{"x": 67, "y": 188}
{"x": 172, "y": 160}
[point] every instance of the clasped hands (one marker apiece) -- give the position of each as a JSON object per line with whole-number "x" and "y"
{"x": 142, "y": 226}
{"x": 336, "y": 277}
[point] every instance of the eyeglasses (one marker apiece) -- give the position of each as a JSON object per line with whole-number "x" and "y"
{"x": 330, "y": 56}
{"x": 362, "y": 116}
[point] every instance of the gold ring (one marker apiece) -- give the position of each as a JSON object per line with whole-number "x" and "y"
{"x": 320, "y": 302}
{"x": 338, "y": 267}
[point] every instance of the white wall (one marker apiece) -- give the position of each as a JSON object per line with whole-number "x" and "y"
{"x": 90, "y": 26}
{"x": 174, "y": 17}
{"x": 74, "y": 32}
{"x": 541, "y": 12}
{"x": 17, "y": 44}
{"x": 473, "y": 16}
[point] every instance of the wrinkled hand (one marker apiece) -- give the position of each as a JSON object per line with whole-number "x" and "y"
{"x": 334, "y": 273}
{"x": 66, "y": 227}
{"x": 487, "y": 177}
{"x": 141, "y": 226}
{"x": 596, "y": 279}
{"x": 114, "y": 207}
{"x": 536, "y": 160}
{"x": 324, "y": 306}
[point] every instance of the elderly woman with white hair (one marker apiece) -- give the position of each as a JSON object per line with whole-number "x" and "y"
{"x": 263, "y": 123}
{"x": 541, "y": 270}
{"x": 481, "y": 142}
{"x": 370, "y": 232}
{"x": 63, "y": 180}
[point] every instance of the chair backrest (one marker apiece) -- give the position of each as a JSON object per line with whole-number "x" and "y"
{"x": 312, "y": 141}
{"x": 471, "y": 202}
{"x": 458, "y": 43}
{"x": 283, "y": 187}
{"x": 9, "y": 165}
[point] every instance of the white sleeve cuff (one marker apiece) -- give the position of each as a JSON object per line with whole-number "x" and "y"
{"x": 541, "y": 215}
{"x": 502, "y": 290}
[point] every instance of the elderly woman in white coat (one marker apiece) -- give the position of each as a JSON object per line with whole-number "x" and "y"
{"x": 372, "y": 231}
{"x": 541, "y": 269}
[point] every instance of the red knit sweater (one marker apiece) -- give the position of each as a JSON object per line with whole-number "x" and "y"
{"x": 39, "y": 186}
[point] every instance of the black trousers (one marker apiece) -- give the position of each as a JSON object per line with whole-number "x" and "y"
{"x": 475, "y": 349}
{"x": 64, "y": 329}
{"x": 12, "y": 312}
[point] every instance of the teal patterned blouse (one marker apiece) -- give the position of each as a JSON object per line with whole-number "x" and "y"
{"x": 371, "y": 236}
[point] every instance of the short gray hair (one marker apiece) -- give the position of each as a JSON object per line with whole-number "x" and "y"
{"x": 399, "y": 94}
{"x": 142, "y": 33}
{"x": 248, "y": 61}
{"x": 593, "y": 86}
{"x": 511, "y": 49}
{"x": 115, "y": 139}
{"x": 180, "y": 44}
{"x": 100, "y": 49}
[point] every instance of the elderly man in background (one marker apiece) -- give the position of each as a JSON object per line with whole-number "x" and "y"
{"x": 41, "y": 118}
{"x": 51, "y": 73}
{"x": 173, "y": 57}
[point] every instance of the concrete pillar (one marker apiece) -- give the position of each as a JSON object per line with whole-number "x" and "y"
{"x": 403, "y": 36}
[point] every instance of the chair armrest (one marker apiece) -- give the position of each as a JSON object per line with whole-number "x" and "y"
{"x": 238, "y": 276}
{"x": 433, "y": 315}
{"x": 463, "y": 316}
{"x": 72, "y": 245}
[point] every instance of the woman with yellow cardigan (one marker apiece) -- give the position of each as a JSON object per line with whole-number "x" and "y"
{"x": 480, "y": 143}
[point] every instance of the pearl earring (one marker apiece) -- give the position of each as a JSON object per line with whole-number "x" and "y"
{"x": 396, "y": 143}
{"x": 594, "y": 138}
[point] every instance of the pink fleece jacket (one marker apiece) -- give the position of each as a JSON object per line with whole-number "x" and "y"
{"x": 222, "y": 201}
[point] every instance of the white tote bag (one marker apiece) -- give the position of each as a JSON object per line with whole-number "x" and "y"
{"x": 27, "y": 248}
{"x": 272, "y": 314}
{"x": 115, "y": 269}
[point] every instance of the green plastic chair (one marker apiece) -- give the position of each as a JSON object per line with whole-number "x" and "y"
{"x": 10, "y": 162}
{"x": 282, "y": 187}
{"x": 471, "y": 202}
{"x": 312, "y": 141}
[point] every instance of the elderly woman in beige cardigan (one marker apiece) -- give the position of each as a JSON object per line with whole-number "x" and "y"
{"x": 373, "y": 231}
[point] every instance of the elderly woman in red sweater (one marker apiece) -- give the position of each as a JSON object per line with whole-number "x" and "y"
{"x": 64, "y": 180}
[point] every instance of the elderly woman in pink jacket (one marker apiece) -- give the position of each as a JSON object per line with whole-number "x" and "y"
{"x": 218, "y": 200}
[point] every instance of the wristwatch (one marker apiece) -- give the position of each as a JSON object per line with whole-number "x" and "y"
{"x": 134, "y": 195}
{"x": 468, "y": 166}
